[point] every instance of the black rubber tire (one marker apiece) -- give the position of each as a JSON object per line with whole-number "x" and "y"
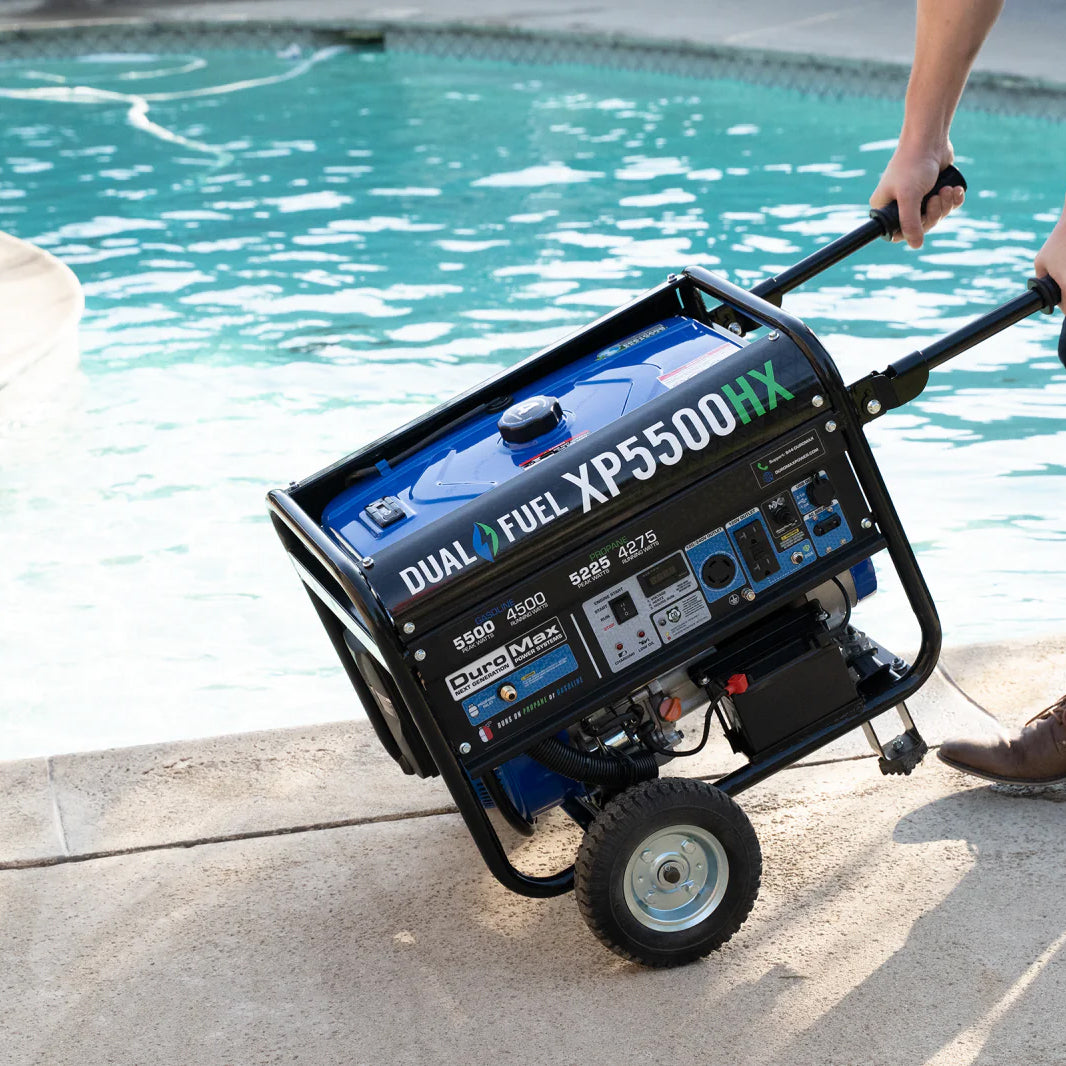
{"x": 611, "y": 841}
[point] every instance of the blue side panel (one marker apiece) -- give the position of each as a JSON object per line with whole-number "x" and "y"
{"x": 533, "y": 788}
{"x": 527, "y": 680}
{"x": 460, "y": 466}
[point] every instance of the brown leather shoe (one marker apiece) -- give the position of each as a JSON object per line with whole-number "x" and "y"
{"x": 1037, "y": 756}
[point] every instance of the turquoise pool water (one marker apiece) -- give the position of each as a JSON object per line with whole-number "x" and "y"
{"x": 284, "y": 256}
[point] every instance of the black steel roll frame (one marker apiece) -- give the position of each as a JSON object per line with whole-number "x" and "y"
{"x": 323, "y": 562}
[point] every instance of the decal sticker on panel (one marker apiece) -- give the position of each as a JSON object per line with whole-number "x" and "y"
{"x": 673, "y": 378}
{"x": 786, "y": 457}
{"x": 520, "y": 685}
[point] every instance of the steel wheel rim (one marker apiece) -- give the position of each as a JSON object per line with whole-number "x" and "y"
{"x": 675, "y": 878}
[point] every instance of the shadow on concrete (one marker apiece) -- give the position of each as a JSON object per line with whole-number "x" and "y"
{"x": 981, "y": 977}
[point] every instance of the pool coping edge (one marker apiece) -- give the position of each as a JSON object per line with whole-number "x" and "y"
{"x": 819, "y": 74}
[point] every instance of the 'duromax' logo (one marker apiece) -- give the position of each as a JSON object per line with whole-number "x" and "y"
{"x": 486, "y": 543}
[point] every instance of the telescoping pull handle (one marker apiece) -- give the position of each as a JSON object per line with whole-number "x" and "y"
{"x": 905, "y": 379}
{"x": 887, "y": 217}
{"x": 883, "y": 222}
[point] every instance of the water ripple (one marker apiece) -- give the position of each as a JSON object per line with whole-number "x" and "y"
{"x": 375, "y": 232}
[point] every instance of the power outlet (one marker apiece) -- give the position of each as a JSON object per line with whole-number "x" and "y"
{"x": 756, "y": 550}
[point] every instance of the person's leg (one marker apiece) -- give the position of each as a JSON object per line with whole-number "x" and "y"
{"x": 1036, "y": 756}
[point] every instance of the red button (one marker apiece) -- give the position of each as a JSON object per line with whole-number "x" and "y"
{"x": 619, "y": 647}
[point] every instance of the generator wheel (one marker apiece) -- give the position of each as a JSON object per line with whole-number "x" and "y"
{"x": 668, "y": 871}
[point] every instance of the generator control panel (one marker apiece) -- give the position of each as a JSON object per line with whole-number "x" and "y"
{"x": 649, "y": 609}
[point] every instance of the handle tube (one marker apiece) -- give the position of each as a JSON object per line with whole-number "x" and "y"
{"x": 883, "y": 222}
{"x": 905, "y": 379}
{"x": 973, "y": 333}
{"x": 774, "y": 288}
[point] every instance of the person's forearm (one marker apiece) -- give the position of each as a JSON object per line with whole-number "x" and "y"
{"x": 948, "y": 37}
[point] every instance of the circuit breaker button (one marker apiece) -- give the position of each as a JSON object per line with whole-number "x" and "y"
{"x": 623, "y": 608}
{"x": 827, "y": 525}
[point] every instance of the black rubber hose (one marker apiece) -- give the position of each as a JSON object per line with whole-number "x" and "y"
{"x": 594, "y": 769}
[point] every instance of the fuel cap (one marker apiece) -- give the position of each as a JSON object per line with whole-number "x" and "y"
{"x": 529, "y": 419}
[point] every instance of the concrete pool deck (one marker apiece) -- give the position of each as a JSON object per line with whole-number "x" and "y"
{"x": 292, "y": 897}
{"x": 900, "y": 922}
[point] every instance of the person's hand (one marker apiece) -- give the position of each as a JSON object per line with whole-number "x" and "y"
{"x": 910, "y": 174}
{"x": 1051, "y": 259}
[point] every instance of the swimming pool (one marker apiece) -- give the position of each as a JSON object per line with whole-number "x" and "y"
{"x": 285, "y": 255}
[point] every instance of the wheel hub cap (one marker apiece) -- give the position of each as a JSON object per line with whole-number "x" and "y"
{"x": 676, "y": 878}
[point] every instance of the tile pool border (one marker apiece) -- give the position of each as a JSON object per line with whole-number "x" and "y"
{"x": 818, "y": 74}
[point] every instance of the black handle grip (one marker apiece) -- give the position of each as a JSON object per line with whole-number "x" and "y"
{"x": 1051, "y": 295}
{"x": 1048, "y": 290}
{"x": 888, "y": 216}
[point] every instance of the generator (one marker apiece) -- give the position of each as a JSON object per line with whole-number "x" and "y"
{"x": 554, "y": 585}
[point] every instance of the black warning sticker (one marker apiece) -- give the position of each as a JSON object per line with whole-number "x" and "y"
{"x": 787, "y": 457}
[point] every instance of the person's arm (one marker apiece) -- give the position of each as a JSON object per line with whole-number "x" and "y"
{"x": 1051, "y": 259}
{"x": 949, "y": 36}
